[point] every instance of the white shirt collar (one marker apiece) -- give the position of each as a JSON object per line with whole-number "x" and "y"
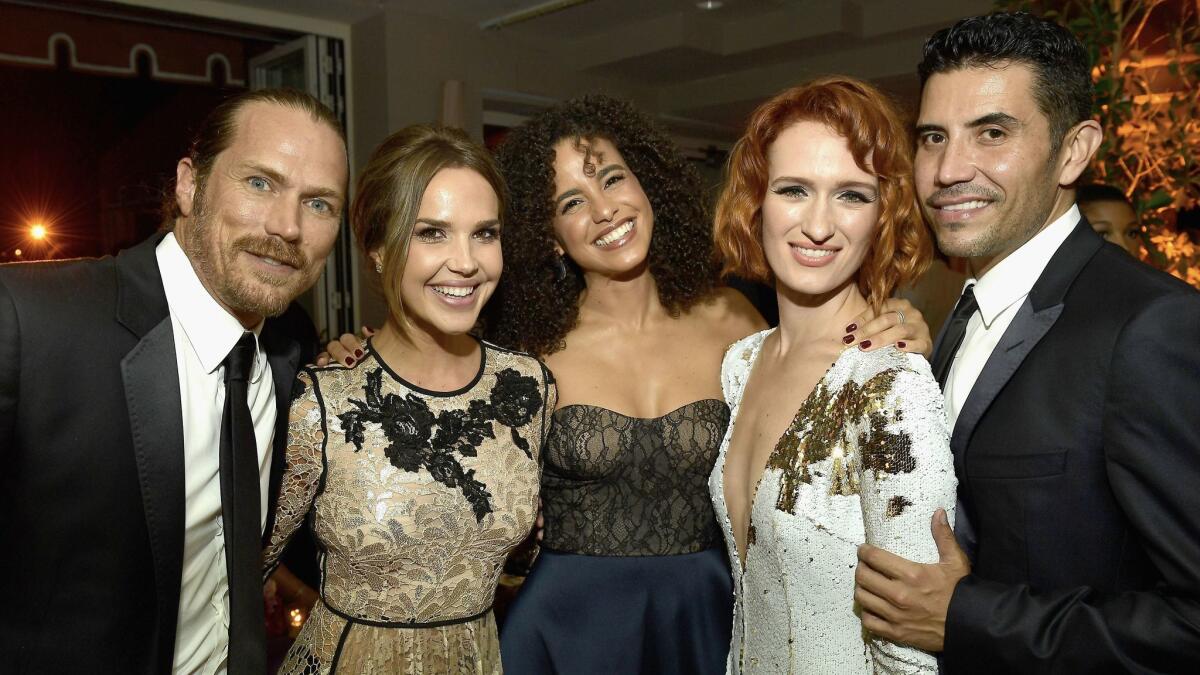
{"x": 1013, "y": 278}
{"x": 211, "y": 330}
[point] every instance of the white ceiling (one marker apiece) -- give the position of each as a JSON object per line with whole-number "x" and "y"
{"x": 712, "y": 66}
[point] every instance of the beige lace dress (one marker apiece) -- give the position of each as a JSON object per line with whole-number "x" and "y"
{"x": 415, "y": 497}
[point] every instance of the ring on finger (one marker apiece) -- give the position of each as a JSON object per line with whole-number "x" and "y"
{"x": 899, "y": 314}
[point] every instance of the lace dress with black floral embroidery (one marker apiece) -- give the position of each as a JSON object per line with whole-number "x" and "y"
{"x": 415, "y": 498}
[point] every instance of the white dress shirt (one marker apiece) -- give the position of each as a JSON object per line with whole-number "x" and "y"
{"x": 1000, "y": 292}
{"x": 204, "y": 335}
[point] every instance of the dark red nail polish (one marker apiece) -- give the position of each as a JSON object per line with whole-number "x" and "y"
{"x": 349, "y": 361}
{"x": 851, "y": 328}
{"x": 901, "y": 344}
{"x": 848, "y": 339}
{"x": 358, "y": 353}
{"x": 865, "y": 344}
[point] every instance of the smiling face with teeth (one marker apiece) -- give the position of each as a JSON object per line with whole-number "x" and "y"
{"x": 258, "y": 228}
{"x": 819, "y": 213}
{"x": 602, "y": 218}
{"x": 454, "y": 256}
{"x": 985, "y": 173}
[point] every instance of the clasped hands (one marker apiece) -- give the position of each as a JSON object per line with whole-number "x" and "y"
{"x": 907, "y": 602}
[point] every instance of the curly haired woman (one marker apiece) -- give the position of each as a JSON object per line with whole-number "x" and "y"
{"x": 610, "y": 278}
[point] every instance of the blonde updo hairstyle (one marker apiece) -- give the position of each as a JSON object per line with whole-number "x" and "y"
{"x": 388, "y": 193}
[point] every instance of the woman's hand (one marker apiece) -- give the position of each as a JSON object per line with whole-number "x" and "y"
{"x": 898, "y": 323}
{"x": 347, "y": 349}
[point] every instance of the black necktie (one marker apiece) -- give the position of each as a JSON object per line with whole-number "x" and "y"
{"x": 240, "y": 517}
{"x": 956, "y": 329}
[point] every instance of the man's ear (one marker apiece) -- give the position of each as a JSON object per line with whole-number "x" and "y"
{"x": 1079, "y": 146}
{"x": 185, "y": 186}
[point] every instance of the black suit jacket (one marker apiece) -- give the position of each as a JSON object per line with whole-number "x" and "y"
{"x": 91, "y": 465}
{"x": 1078, "y": 460}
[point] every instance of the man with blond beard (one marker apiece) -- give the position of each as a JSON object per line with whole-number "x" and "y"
{"x": 143, "y": 408}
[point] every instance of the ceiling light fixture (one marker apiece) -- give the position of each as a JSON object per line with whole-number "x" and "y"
{"x": 709, "y": 4}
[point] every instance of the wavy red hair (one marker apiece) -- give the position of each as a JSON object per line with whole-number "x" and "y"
{"x": 880, "y": 144}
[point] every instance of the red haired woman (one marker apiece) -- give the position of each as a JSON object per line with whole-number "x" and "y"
{"x": 820, "y": 458}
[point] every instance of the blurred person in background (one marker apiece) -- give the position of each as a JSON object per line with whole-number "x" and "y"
{"x": 1111, "y": 215}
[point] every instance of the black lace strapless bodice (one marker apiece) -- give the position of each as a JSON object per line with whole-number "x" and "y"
{"x": 619, "y": 485}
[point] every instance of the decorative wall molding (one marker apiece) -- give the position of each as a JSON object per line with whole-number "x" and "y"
{"x": 214, "y": 60}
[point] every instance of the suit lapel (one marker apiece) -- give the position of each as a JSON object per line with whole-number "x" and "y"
{"x": 151, "y": 380}
{"x": 284, "y": 356}
{"x": 1027, "y": 328}
{"x": 1033, "y": 320}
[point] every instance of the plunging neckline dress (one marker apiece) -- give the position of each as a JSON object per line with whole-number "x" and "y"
{"x": 866, "y": 458}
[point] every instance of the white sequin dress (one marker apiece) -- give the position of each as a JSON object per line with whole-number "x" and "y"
{"x": 865, "y": 459}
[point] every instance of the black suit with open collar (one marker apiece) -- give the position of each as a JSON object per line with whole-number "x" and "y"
{"x": 1078, "y": 458}
{"x": 92, "y": 465}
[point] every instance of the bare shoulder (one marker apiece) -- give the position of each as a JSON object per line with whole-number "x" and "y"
{"x": 729, "y": 314}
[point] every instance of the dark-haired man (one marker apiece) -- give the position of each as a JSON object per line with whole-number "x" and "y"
{"x": 143, "y": 409}
{"x": 1071, "y": 377}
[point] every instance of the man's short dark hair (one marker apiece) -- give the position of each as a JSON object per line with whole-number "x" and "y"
{"x": 217, "y": 130}
{"x": 1062, "y": 70}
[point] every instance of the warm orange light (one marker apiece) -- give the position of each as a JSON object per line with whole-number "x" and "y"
{"x": 17, "y": 253}
{"x": 38, "y": 231}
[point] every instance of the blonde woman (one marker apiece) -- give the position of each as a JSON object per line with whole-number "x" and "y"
{"x": 417, "y": 467}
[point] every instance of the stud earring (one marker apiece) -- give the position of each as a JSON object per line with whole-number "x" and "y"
{"x": 378, "y": 267}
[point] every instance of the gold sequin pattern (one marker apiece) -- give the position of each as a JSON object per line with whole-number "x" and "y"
{"x": 821, "y": 429}
{"x": 865, "y": 459}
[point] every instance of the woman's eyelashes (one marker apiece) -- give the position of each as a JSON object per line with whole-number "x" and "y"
{"x": 429, "y": 233}
{"x": 488, "y": 234}
{"x": 848, "y": 196}
{"x": 856, "y": 197}
{"x": 613, "y": 179}
{"x": 437, "y": 234}
{"x": 790, "y": 191}
{"x": 610, "y": 180}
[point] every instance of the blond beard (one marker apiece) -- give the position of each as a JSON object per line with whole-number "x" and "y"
{"x": 241, "y": 296}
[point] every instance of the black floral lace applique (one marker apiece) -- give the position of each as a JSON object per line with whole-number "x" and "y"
{"x": 515, "y": 399}
{"x": 408, "y": 424}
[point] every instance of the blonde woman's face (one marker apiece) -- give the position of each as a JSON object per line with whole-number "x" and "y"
{"x": 820, "y": 211}
{"x": 454, "y": 256}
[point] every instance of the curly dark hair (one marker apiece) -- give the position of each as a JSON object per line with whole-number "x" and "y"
{"x": 532, "y": 310}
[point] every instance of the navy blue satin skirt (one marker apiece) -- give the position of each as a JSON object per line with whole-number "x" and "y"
{"x": 614, "y": 615}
